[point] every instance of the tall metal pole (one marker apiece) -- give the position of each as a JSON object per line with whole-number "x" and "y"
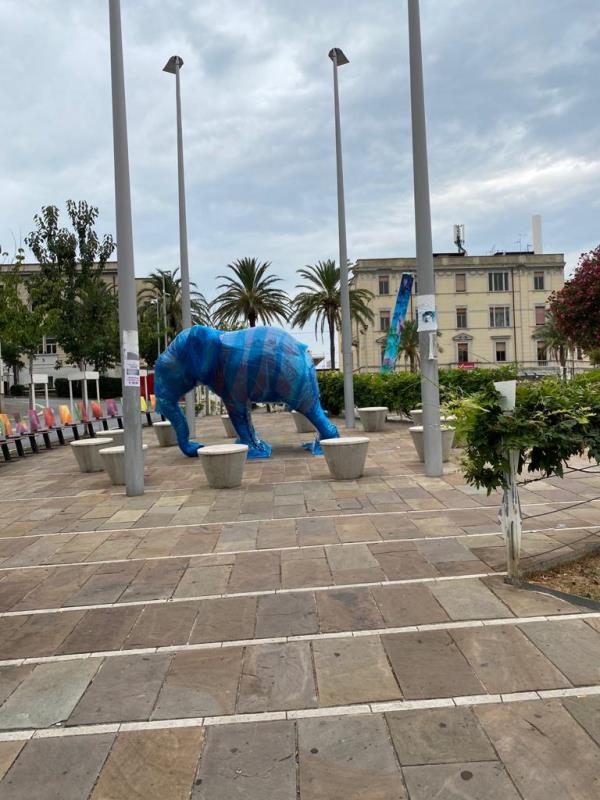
{"x": 134, "y": 464}
{"x": 339, "y": 59}
{"x": 164, "y": 299}
{"x": 430, "y": 394}
{"x": 174, "y": 65}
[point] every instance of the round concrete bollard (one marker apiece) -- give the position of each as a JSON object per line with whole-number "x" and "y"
{"x": 302, "y": 423}
{"x": 228, "y": 425}
{"x": 113, "y": 461}
{"x": 165, "y": 434}
{"x": 373, "y": 418}
{"x": 116, "y": 433}
{"x": 87, "y": 453}
{"x": 223, "y": 464}
{"x": 346, "y": 456}
{"x": 447, "y": 441}
{"x": 416, "y": 415}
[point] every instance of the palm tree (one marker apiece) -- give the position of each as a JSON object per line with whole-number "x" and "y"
{"x": 321, "y": 299}
{"x": 409, "y": 344}
{"x": 165, "y": 286}
{"x": 556, "y": 344}
{"x": 250, "y": 295}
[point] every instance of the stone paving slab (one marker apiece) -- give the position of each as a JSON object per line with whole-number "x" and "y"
{"x": 347, "y": 758}
{"x": 467, "y": 781}
{"x": 56, "y": 769}
{"x": 151, "y": 766}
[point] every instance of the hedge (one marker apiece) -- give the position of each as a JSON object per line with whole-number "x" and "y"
{"x": 401, "y": 391}
{"x": 109, "y": 387}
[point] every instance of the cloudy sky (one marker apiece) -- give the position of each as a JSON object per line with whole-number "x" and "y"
{"x": 513, "y": 114}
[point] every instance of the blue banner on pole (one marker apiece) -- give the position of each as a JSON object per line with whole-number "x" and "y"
{"x": 393, "y": 338}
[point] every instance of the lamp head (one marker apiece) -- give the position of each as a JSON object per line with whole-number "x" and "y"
{"x": 337, "y": 55}
{"x": 173, "y": 64}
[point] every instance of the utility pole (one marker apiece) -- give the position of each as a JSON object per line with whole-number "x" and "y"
{"x": 130, "y": 351}
{"x": 430, "y": 393}
{"x": 339, "y": 59}
{"x": 174, "y": 65}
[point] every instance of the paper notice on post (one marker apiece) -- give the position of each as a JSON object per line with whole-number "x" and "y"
{"x": 426, "y": 313}
{"x": 131, "y": 359}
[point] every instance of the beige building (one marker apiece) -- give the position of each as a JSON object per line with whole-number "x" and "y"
{"x": 488, "y": 308}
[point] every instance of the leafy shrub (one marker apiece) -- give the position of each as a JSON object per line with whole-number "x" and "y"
{"x": 109, "y": 387}
{"x": 18, "y": 390}
{"x": 552, "y": 421}
{"x": 401, "y": 391}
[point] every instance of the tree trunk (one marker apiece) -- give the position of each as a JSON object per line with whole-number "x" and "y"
{"x": 331, "y": 342}
{"x": 31, "y": 387}
{"x": 411, "y": 359}
{"x": 252, "y": 319}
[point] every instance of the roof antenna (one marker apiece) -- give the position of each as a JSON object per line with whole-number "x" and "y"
{"x": 459, "y": 238}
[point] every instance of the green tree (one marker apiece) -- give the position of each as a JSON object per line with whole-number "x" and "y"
{"x": 409, "y": 344}
{"x": 556, "y": 342}
{"x": 24, "y": 322}
{"x": 320, "y": 299}
{"x": 70, "y": 283}
{"x": 250, "y": 295}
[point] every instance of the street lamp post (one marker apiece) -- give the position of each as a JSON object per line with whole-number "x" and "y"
{"x": 173, "y": 66}
{"x": 130, "y": 351}
{"x": 165, "y": 294}
{"x": 430, "y": 393}
{"x": 339, "y": 59}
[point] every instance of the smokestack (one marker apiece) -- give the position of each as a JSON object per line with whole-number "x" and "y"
{"x": 536, "y": 226}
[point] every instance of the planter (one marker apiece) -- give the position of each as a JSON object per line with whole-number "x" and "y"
{"x": 373, "y": 418}
{"x": 113, "y": 461}
{"x": 87, "y": 453}
{"x": 223, "y": 464}
{"x": 346, "y": 456}
{"x": 447, "y": 440}
{"x": 303, "y": 425}
{"x": 165, "y": 434}
{"x": 417, "y": 416}
{"x": 230, "y": 431}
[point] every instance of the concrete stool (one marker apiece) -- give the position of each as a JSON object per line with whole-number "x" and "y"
{"x": 346, "y": 456}
{"x": 373, "y": 418}
{"x": 165, "y": 434}
{"x": 228, "y": 425}
{"x": 113, "y": 461}
{"x": 87, "y": 453}
{"x": 302, "y": 423}
{"x": 416, "y": 415}
{"x": 116, "y": 434}
{"x": 447, "y": 441}
{"x": 223, "y": 464}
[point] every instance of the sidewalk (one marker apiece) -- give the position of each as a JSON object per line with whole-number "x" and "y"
{"x": 295, "y": 638}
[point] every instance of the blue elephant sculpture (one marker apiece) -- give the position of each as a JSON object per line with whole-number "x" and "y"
{"x": 254, "y": 365}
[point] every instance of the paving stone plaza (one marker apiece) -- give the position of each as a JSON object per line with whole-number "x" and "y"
{"x": 295, "y": 638}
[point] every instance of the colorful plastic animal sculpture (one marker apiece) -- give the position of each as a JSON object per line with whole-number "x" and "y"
{"x": 255, "y": 365}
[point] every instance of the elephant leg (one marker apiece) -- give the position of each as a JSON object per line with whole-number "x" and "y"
{"x": 325, "y": 429}
{"x": 241, "y": 420}
{"x": 173, "y": 413}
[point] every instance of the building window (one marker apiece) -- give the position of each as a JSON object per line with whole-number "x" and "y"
{"x": 498, "y": 281}
{"x": 500, "y": 349}
{"x": 540, "y": 315}
{"x": 384, "y": 284}
{"x": 460, "y": 282}
{"x": 538, "y": 281}
{"x": 461, "y": 317}
{"x": 384, "y": 321}
{"x": 51, "y": 381}
{"x": 462, "y": 352}
{"x": 499, "y": 316}
{"x": 542, "y": 354}
{"x": 48, "y": 346}
{"x": 579, "y": 354}
{"x": 415, "y": 286}
{"x": 382, "y": 352}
